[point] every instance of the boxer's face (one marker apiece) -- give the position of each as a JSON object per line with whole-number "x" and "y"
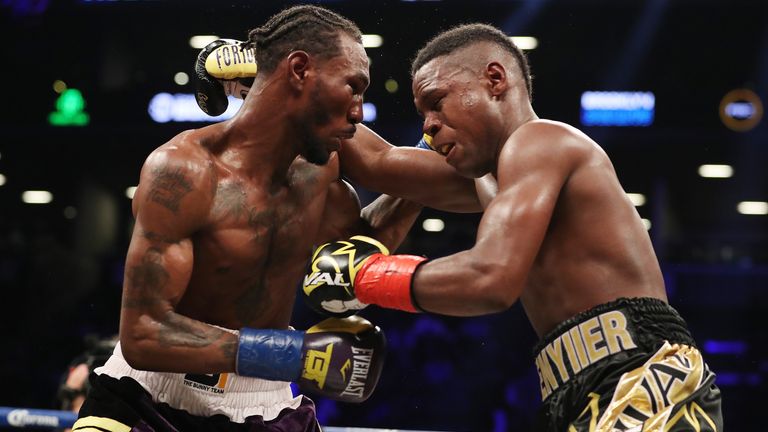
{"x": 453, "y": 102}
{"x": 336, "y": 100}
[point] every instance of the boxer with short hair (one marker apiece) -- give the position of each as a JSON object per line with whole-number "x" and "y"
{"x": 226, "y": 218}
{"x": 560, "y": 235}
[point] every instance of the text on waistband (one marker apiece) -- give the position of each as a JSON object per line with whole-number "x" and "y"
{"x": 584, "y": 344}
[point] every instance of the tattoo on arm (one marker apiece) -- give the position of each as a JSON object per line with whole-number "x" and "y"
{"x": 144, "y": 290}
{"x": 146, "y": 281}
{"x": 181, "y": 331}
{"x": 229, "y": 348}
{"x": 169, "y": 187}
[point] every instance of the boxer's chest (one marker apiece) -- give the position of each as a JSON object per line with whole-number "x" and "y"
{"x": 250, "y": 257}
{"x": 254, "y": 226}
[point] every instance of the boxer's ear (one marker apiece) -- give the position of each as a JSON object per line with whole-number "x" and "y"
{"x": 299, "y": 67}
{"x": 496, "y": 74}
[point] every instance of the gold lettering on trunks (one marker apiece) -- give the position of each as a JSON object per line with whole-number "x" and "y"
{"x": 568, "y": 343}
{"x": 583, "y": 344}
{"x": 578, "y": 343}
{"x": 555, "y": 353}
{"x": 615, "y": 329}
{"x": 593, "y": 336}
{"x": 546, "y": 376}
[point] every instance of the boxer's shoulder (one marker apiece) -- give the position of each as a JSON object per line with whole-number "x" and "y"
{"x": 554, "y": 133}
{"x": 547, "y": 143}
{"x": 178, "y": 175}
{"x": 191, "y": 147}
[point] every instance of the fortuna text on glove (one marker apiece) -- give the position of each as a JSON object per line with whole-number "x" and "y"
{"x": 223, "y": 68}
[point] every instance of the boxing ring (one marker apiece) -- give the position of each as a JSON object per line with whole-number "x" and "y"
{"x": 30, "y": 418}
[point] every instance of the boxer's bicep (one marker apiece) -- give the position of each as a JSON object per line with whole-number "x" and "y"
{"x": 490, "y": 276}
{"x": 157, "y": 271}
{"x": 171, "y": 204}
{"x": 341, "y": 214}
{"x": 532, "y": 171}
{"x": 511, "y": 233}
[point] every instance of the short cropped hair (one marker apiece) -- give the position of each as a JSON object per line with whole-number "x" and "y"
{"x": 467, "y": 34}
{"x": 308, "y": 28}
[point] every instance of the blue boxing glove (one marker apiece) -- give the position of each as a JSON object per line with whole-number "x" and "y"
{"x": 338, "y": 358}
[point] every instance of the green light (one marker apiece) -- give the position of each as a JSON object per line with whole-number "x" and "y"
{"x": 69, "y": 110}
{"x": 391, "y": 85}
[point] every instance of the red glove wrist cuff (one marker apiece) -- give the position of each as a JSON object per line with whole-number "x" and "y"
{"x": 385, "y": 280}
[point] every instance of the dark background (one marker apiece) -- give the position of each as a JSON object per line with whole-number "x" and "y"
{"x": 60, "y": 277}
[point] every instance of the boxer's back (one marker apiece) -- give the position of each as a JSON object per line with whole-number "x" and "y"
{"x": 596, "y": 248}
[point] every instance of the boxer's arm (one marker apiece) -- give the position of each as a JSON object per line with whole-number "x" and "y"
{"x": 368, "y": 160}
{"x": 387, "y": 219}
{"x": 487, "y": 188}
{"x": 406, "y": 172}
{"x": 170, "y": 204}
{"x": 533, "y": 167}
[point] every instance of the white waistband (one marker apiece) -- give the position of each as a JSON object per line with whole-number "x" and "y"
{"x": 235, "y": 396}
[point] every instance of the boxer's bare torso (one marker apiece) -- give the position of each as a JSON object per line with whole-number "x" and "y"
{"x": 219, "y": 241}
{"x": 253, "y": 245}
{"x": 558, "y": 232}
{"x": 595, "y": 248}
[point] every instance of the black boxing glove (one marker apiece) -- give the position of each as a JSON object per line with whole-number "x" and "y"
{"x": 339, "y": 359}
{"x": 332, "y": 270}
{"x": 348, "y": 275}
{"x": 223, "y": 68}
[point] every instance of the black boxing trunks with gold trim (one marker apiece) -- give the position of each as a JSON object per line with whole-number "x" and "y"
{"x": 627, "y": 365}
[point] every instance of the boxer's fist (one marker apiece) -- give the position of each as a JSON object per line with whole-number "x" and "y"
{"x": 339, "y": 358}
{"x": 329, "y": 282}
{"x": 223, "y": 68}
{"x": 343, "y": 359}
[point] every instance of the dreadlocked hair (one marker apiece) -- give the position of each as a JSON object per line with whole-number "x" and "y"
{"x": 308, "y": 28}
{"x": 464, "y": 35}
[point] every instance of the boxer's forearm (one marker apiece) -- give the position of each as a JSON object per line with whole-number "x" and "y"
{"x": 414, "y": 174}
{"x": 390, "y": 219}
{"x": 460, "y": 285}
{"x": 491, "y": 276}
{"x": 178, "y": 344}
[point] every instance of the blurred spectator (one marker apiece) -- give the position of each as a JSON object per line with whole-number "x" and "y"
{"x": 75, "y": 385}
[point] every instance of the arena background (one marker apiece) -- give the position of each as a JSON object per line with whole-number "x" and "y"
{"x": 61, "y": 263}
